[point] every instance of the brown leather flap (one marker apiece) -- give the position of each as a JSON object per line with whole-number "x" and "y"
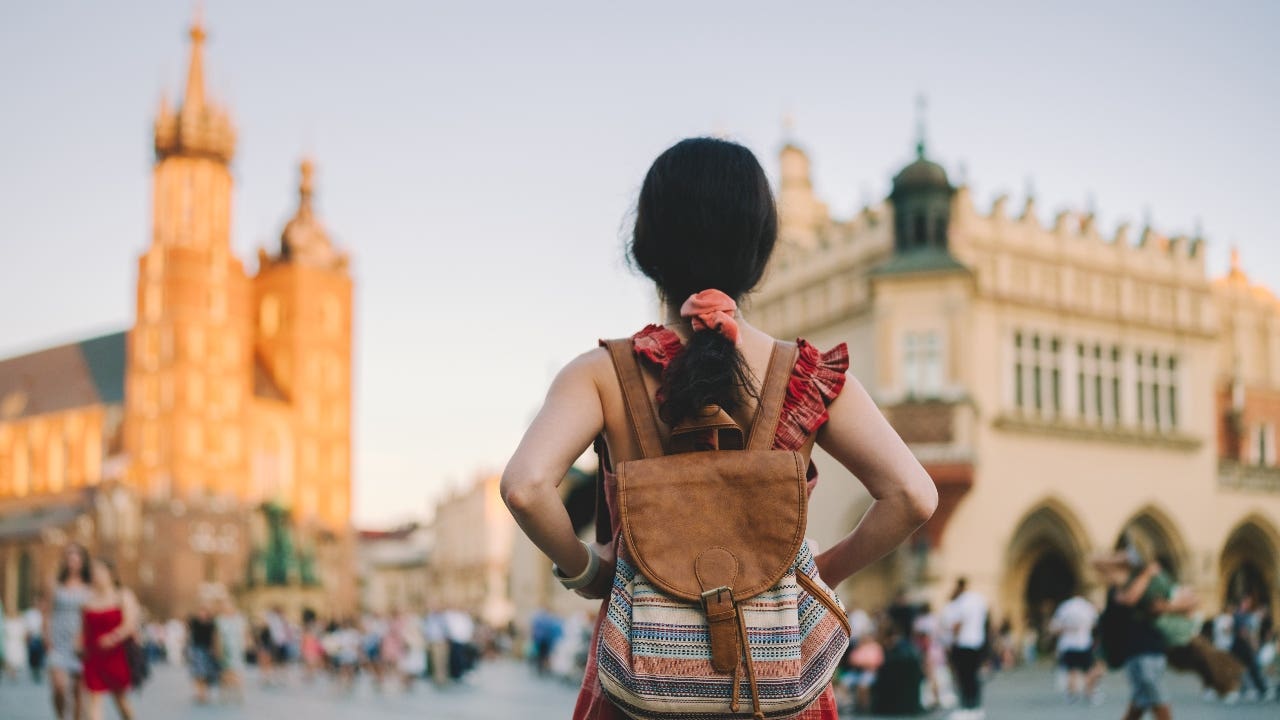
{"x": 750, "y": 503}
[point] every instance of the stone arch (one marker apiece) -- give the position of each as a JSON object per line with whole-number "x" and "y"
{"x": 1250, "y": 562}
{"x": 1045, "y": 563}
{"x": 1157, "y": 538}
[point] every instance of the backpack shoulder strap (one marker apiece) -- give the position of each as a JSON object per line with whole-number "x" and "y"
{"x": 773, "y": 392}
{"x": 644, "y": 422}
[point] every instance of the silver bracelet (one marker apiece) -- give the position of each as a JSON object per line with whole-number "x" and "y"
{"x": 584, "y": 578}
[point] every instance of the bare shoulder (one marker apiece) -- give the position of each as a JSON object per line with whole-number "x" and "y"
{"x": 589, "y": 363}
{"x": 591, "y": 367}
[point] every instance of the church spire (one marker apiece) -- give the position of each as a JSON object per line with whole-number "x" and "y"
{"x": 199, "y": 127}
{"x": 193, "y": 101}
{"x": 920, "y": 108}
{"x": 306, "y": 172}
{"x": 305, "y": 240}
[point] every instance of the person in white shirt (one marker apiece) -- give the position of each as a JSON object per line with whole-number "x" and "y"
{"x": 966, "y": 619}
{"x": 1073, "y": 623}
{"x": 14, "y": 655}
{"x": 433, "y": 632}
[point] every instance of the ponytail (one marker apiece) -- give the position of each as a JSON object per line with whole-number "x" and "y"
{"x": 709, "y": 371}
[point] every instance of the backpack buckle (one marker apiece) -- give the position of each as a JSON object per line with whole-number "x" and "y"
{"x": 717, "y": 592}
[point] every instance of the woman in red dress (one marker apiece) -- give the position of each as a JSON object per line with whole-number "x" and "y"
{"x": 109, "y": 619}
{"x": 705, "y": 226}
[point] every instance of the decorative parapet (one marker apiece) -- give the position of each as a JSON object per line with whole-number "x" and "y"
{"x": 1233, "y": 475}
{"x": 1102, "y": 433}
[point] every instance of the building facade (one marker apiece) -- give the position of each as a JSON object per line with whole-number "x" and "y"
{"x": 471, "y": 555}
{"x": 394, "y": 569}
{"x": 1060, "y": 387}
{"x": 221, "y": 420}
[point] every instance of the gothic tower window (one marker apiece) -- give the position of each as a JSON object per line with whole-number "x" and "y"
{"x": 330, "y": 315}
{"x": 269, "y": 316}
{"x": 21, "y": 468}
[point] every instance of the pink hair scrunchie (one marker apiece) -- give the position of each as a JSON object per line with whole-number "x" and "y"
{"x": 712, "y": 310}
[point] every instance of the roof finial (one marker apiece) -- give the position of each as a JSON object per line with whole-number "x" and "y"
{"x": 306, "y": 185}
{"x": 920, "y": 110}
{"x": 1235, "y": 262}
{"x": 194, "y": 98}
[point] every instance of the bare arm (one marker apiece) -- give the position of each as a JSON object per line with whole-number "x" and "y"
{"x": 903, "y": 495}
{"x": 1133, "y": 592}
{"x": 1184, "y": 601}
{"x": 46, "y": 609}
{"x": 570, "y": 419}
{"x": 129, "y": 616}
{"x": 132, "y": 612}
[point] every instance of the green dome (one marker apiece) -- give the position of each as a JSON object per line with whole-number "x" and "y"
{"x": 921, "y": 175}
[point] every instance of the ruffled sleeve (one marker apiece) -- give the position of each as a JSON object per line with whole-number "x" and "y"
{"x": 816, "y": 380}
{"x": 657, "y": 346}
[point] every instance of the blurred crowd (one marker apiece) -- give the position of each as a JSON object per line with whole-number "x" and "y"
{"x": 909, "y": 658}
{"x": 89, "y": 638}
{"x": 392, "y": 650}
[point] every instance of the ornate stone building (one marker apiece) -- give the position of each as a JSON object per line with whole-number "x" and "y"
{"x": 470, "y": 568}
{"x": 1060, "y": 387}
{"x": 210, "y": 445}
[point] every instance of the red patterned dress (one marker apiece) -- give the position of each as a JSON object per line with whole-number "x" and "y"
{"x": 816, "y": 380}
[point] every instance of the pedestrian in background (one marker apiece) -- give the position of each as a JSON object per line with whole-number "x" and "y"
{"x": 273, "y": 646}
{"x": 966, "y": 618}
{"x": 311, "y": 646}
{"x": 231, "y": 641}
{"x": 1142, "y": 592}
{"x": 928, "y": 638}
{"x": 1245, "y": 643}
{"x": 1073, "y": 622}
{"x": 865, "y": 661}
{"x": 13, "y": 657}
{"x": 63, "y": 618}
{"x": 413, "y": 663}
{"x": 544, "y": 633}
{"x": 175, "y": 641}
{"x": 433, "y": 632}
{"x": 202, "y": 661}
{"x": 34, "y": 620}
{"x": 110, "y": 619}
{"x": 896, "y": 689}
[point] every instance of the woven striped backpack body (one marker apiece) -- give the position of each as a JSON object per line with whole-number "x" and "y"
{"x": 716, "y": 608}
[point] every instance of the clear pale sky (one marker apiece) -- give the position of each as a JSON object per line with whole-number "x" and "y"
{"x": 479, "y": 159}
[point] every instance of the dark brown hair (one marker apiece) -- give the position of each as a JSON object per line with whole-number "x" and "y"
{"x": 705, "y": 220}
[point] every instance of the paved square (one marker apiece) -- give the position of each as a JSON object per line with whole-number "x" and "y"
{"x": 508, "y": 690}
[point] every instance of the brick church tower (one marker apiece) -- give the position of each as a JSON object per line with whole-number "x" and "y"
{"x": 302, "y": 340}
{"x": 189, "y": 355}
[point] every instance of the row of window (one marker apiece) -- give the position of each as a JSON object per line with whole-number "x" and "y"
{"x": 25, "y": 470}
{"x": 155, "y": 393}
{"x": 1102, "y": 383}
{"x": 158, "y": 344}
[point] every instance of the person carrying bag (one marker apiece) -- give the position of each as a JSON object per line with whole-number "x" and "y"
{"x": 716, "y": 606}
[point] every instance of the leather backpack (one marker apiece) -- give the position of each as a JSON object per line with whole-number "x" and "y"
{"x": 716, "y": 598}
